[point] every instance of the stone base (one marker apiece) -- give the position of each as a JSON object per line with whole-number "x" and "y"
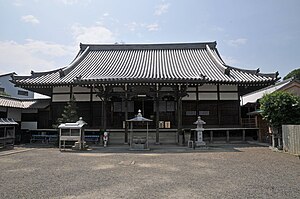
{"x": 200, "y": 143}
{"x": 139, "y": 146}
{"x": 76, "y": 146}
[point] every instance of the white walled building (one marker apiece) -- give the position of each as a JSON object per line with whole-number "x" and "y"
{"x": 7, "y": 87}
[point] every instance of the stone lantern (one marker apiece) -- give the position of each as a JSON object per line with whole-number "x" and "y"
{"x": 139, "y": 143}
{"x": 199, "y": 130}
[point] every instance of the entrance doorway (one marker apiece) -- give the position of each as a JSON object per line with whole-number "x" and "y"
{"x": 146, "y": 106}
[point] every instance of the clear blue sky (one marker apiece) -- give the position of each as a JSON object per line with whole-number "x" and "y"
{"x": 42, "y": 35}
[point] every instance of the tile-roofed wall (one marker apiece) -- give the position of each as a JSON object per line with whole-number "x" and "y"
{"x": 23, "y": 104}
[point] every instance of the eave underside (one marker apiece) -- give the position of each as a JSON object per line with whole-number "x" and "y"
{"x": 46, "y": 89}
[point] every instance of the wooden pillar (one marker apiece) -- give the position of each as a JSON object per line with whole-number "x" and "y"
{"x": 131, "y": 134}
{"x": 126, "y": 115}
{"x": 240, "y": 113}
{"x": 179, "y": 110}
{"x": 91, "y": 107}
{"x": 157, "y": 114}
{"x": 71, "y": 92}
{"x": 104, "y": 109}
{"x": 211, "y": 136}
{"x": 197, "y": 100}
{"x": 218, "y": 105}
{"x": 179, "y": 125}
{"x": 104, "y": 117}
{"x": 51, "y": 114}
{"x": 239, "y": 108}
{"x": 256, "y": 122}
{"x": 176, "y": 111}
{"x": 227, "y": 136}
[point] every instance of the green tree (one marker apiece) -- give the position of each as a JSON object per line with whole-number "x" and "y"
{"x": 280, "y": 108}
{"x": 3, "y": 93}
{"x": 69, "y": 113}
{"x": 295, "y": 74}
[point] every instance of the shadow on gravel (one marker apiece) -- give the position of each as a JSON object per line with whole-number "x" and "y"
{"x": 211, "y": 148}
{"x": 158, "y": 150}
{"x": 6, "y": 149}
{"x": 41, "y": 146}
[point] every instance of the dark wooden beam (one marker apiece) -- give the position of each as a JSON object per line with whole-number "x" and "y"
{"x": 126, "y": 114}
{"x": 157, "y": 115}
{"x": 91, "y": 108}
{"x": 179, "y": 109}
{"x": 218, "y": 105}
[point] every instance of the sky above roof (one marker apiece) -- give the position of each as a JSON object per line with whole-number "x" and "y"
{"x": 42, "y": 35}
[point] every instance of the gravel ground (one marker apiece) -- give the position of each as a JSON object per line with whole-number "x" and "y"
{"x": 240, "y": 171}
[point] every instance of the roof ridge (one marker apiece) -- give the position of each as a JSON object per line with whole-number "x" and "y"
{"x": 256, "y": 72}
{"x": 150, "y": 46}
{"x": 34, "y": 74}
{"x": 37, "y": 74}
{"x": 6, "y": 74}
{"x": 220, "y": 65}
{"x": 70, "y": 67}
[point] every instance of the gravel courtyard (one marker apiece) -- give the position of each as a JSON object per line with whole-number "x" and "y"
{"x": 234, "y": 171}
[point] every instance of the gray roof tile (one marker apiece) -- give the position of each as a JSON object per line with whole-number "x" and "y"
{"x": 7, "y": 121}
{"x": 23, "y": 104}
{"x": 198, "y": 62}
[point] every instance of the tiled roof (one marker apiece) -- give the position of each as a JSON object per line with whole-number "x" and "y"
{"x": 256, "y": 95}
{"x": 7, "y": 121}
{"x": 23, "y": 104}
{"x": 186, "y": 62}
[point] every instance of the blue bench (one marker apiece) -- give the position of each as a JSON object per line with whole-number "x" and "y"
{"x": 92, "y": 138}
{"x": 44, "y": 138}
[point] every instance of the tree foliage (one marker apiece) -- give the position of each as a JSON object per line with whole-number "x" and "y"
{"x": 69, "y": 113}
{"x": 280, "y": 108}
{"x": 3, "y": 93}
{"x": 295, "y": 74}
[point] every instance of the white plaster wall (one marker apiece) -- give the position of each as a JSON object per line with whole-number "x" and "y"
{"x": 228, "y": 88}
{"x": 81, "y": 89}
{"x": 29, "y": 125}
{"x": 192, "y": 96}
{"x": 191, "y": 89}
{"x": 63, "y": 89}
{"x": 61, "y": 98}
{"x": 82, "y": 97}
{"x": 95, "y": 98}
{"x": 207, "y": 87}
{"x": 208, "y": 96}
{"x": 229, "y": 96}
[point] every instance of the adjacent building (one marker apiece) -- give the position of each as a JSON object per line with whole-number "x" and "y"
{"x": 251, "y": 107}
{"x": 9, "y": 89}
{"x": 30, "y": 114}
